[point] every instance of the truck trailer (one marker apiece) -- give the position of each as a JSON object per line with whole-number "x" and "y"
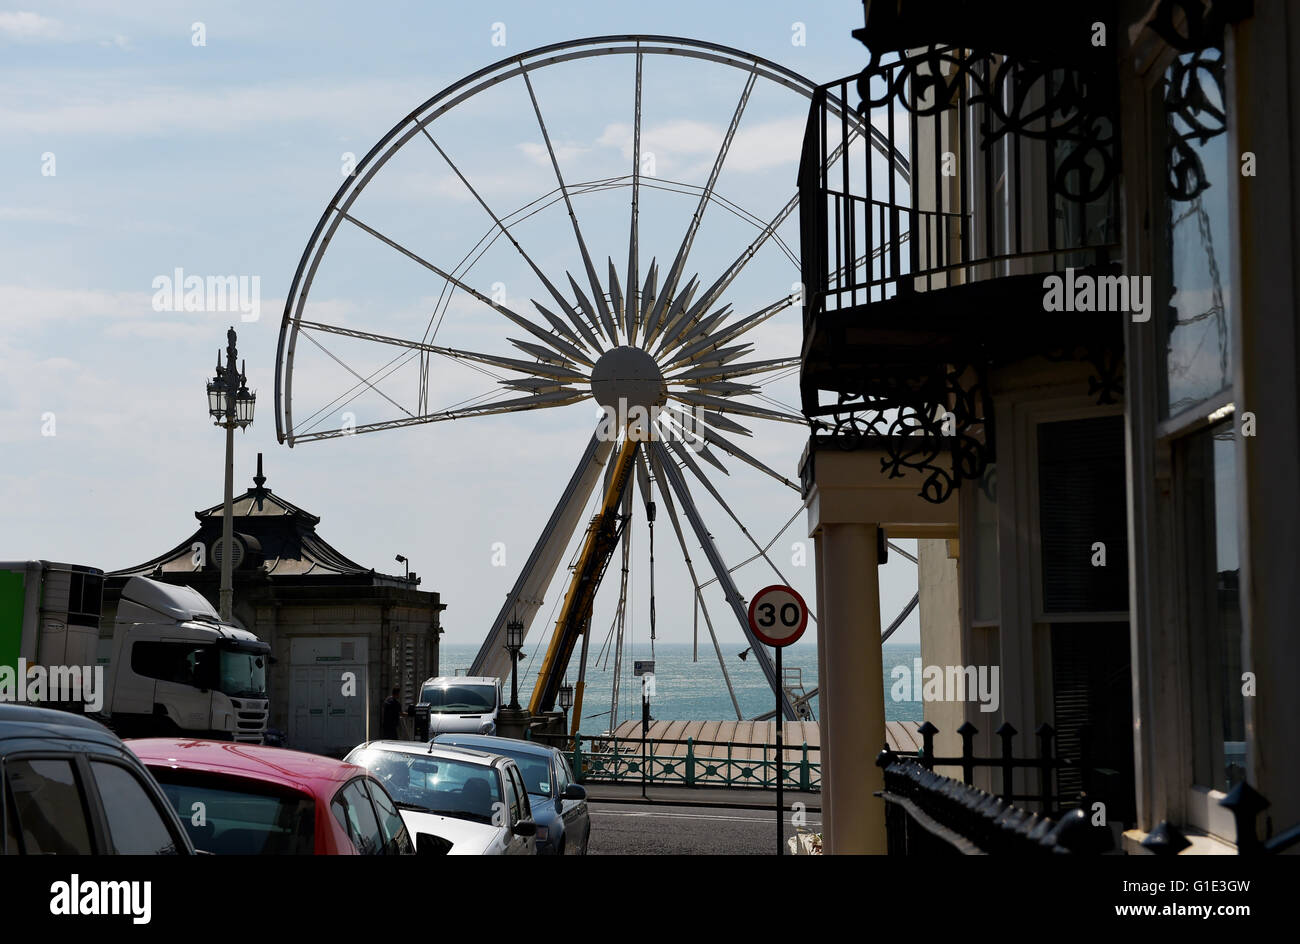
{"x": 171, "y": 667}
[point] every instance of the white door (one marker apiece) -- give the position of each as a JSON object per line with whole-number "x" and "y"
{"x": 328, "y": 694}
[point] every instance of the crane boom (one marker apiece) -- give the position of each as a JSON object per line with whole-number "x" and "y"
{"x": 575, "y": 615}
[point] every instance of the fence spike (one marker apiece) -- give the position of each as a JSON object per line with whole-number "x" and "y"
{"x": 1165, "y": 839}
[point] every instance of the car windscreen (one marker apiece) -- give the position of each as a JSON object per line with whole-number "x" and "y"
{"x": 535, "y": 770}
{"x": 460, "y": 699}
{"x": 434, "y": 784}
{"x": 229, "y": 816}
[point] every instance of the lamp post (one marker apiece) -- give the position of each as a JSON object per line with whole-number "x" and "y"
{"x": 231, "y": 405}
{"x": 514, "y": 642}
{"x": 402, "y": 560}
{"x": 566, "y": 701}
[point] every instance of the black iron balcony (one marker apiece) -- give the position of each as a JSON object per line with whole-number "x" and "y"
{"x": 937, "y": 189}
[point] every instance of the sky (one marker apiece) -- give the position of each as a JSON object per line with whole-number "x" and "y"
{"x": 209, "y": 138}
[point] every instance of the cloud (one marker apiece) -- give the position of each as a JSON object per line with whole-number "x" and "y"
{"x": 688, "y": 147}
{"x": 26, "y": 27}
{"x": 103, "y": 104}
{"x": 563, "y": 152}
{"x": 41, "y": 215}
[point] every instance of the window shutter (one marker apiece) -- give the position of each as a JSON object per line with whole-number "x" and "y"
{"x": 1081, "y": 495}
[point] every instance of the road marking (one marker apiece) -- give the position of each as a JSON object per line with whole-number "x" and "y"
{"x": 705, "y": 816}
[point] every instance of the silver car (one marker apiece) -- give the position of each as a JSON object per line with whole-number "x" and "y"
{"x": 454, "y": 801}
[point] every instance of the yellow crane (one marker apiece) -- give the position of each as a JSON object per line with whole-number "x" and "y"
{"x": 598, "y": 547}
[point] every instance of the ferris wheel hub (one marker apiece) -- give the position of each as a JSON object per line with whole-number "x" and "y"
{"x": 624, "y": 378}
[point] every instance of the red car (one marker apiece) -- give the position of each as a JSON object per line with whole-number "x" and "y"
{"x": 243, "y": 799}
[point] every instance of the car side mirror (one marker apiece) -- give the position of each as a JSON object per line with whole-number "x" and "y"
{"x": 525, "y": 827}
{"x": 575, "y": 791}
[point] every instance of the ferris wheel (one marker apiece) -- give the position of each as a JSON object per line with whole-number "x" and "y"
{"x": 608, "y": 259}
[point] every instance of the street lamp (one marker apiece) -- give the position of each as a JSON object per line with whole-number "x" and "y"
{"x": 230, "y": 405}
{"x": 402, "y": 560}
{"x": 566, "y": 702}
{"x": 514, "y": 642}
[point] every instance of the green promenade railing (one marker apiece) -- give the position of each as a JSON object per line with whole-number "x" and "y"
{"x": 602, "y": 758}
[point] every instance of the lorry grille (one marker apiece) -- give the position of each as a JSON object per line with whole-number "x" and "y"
{"x": 250, "y": 719}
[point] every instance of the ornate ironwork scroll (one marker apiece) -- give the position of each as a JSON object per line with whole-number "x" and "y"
{"x": 1194, "y": 108}
{"x": 1070, "y": 108}
{"x": 920, "y": 423}
{"x": 1203, "y": 22}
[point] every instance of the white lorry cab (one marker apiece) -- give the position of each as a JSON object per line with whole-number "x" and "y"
{"x": 457, "y": 704}
{"x": 177, "y": 667}
{"x": 171, "y": 667}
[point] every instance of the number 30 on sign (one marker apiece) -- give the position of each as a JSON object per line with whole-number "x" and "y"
{"x": 778, "y": 615}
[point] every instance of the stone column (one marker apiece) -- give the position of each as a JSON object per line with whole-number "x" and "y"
{"x": 850, "y": 628}
{"x": 823, "y": 697}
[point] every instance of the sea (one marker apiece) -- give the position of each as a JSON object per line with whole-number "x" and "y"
{"x": 687, "y": 688}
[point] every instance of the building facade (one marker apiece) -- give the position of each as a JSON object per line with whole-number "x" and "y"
{"x": 1051, "y": 332}
{"x": 341, "y": 635}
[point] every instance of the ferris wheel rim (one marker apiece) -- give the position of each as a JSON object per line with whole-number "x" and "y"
{"x": 414, "y": 121}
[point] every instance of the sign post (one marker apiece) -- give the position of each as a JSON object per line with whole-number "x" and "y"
{"x": 646, "y": 670}
{"x": 778, "y": 616}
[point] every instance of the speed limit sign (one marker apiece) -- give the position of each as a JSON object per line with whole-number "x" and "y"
{"x": 777, "y": 615}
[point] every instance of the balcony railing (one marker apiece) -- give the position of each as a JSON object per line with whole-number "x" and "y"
{"x": 954, "y": 166}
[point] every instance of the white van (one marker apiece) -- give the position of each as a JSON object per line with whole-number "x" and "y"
{"x": 459, "y": 704}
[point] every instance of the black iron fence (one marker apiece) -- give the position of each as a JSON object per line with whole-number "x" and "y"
{"x": 928, "y": 813}
{"x": 1245, "y": 803}
{"x": 1043, "y": 774}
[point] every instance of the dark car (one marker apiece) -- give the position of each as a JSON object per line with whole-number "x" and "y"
{"x": 559, "y": 804}
{"x": 70, "y": 787}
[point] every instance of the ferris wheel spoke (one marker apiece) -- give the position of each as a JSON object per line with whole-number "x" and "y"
{"x": 447, "y": 276}
{"x": 691, "y": 464}
{"x": 714, "y": 340}
{"x": 729, "y": 591}
{"x": 631, "y": 308}
{"x": 679, "y": 333}
{"x": 505, "y": 230}
{"x": 366, "y": 382}
{"x": 544, "y": 354}
{"x": 673, "y": 517}
{"x": 693, "y": 431}
{"x": 722, "y": 355}
{"x": 679, "y": 262}
{"x": 713, "y": 372}
{"x": 732, "y": 271}
{"x": 517, "y": 405}
{"x": 573, "y": 217}
{"x": 724, "y": 405}
{"x": 575, "y": 318}
{"x": 615, "y": 292}
{"x": 585, "y": 303}
{"x": 553, "y": 371}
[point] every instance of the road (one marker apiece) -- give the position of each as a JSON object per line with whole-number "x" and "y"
{"x": 664, "y": 829}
